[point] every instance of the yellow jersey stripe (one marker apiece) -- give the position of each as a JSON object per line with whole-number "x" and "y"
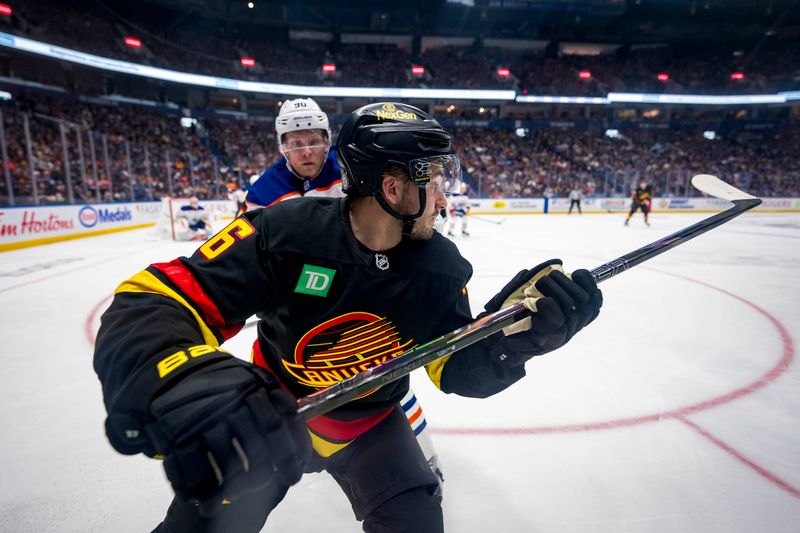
{"x": 146, "y": 282}
{"x": 324, "y": 447}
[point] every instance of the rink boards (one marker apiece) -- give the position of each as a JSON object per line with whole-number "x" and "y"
{"x": 542, "y": 206}
{"x": 24, "y": 226}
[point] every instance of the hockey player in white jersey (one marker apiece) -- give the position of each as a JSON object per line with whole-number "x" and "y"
{"x": 193, "y": 223}
{"x": 459, "y": 209}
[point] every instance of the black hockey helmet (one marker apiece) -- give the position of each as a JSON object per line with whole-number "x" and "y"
{"x": 379, "y": 135}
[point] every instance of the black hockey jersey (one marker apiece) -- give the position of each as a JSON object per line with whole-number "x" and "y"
{"x": 642, "y": 196}
{"x": 328, "y": 309}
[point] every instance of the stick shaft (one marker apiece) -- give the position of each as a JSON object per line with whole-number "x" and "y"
{"x": 490, "y": 221}
{"x": 631, "y": 259}
{"x": 325, "y": 400}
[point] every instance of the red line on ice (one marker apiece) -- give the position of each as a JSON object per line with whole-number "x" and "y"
{"x": 786, "y": 359}
{"x": 680, "y": 414}
{"x": 88, "y": 326}
{"x": 741, "y": 457}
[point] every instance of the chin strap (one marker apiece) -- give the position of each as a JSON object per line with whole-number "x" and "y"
{"x": 407, "y": 220}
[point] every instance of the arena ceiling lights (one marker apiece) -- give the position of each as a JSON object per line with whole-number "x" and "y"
{"x": 697, "y": 99}
{"x": 583, "y": 100}
{"x": 125, "y": 67}
{"x": 73, "y": 56}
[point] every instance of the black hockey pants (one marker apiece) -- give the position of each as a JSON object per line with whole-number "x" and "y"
{"x": 383, "y": 473}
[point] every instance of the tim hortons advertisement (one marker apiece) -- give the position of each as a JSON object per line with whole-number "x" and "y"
{"x": 32, "y": 225}
{"x": 39, "y": 225}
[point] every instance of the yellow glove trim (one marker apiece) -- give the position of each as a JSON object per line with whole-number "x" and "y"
{"x": 435, "y": 370}
{"x": 528, "y": 295}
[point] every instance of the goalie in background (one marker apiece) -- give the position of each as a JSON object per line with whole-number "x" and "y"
{"x": 193, "y": 224}
{"x": 640, "y": 199}
{"x": 459, "y": 209}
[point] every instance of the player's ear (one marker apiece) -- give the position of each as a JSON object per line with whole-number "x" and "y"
{"x": 391, "y": 188}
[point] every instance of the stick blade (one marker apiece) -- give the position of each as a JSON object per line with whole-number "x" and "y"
{"x": 713, "y": 186}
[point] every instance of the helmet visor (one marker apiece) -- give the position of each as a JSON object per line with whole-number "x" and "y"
{"x": 437, "y": 173}
{"x": 313, "y": 145}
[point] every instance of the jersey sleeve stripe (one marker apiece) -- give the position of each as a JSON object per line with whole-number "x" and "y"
{"x": 330, "y": 186}
{"x": 284, "y": 197}
{"x": 182, "y": 278}
{"x": 146, "y": 282}
{"x": 413, "y": 418}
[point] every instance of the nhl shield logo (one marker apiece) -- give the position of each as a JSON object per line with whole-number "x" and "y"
{"x": 381, "y": 261}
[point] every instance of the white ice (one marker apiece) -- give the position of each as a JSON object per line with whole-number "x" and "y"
{"x": 678, "y": 410}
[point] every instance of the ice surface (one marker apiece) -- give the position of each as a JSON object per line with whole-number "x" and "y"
{"x": 678, "y": 410}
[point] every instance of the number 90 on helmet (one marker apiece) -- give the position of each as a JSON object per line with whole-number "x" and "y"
{"x": 301, "y": 114}
{"x": 377, "y": 136}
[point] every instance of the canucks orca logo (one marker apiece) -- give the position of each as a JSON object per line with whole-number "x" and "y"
{"x": 344, "y": 346}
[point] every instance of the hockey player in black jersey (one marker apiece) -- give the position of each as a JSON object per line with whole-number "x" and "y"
{"x": 339, "y": 285}
{"x": 641, "y": 198}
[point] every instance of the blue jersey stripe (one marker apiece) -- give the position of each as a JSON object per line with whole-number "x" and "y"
{"x": 407, "y": 406}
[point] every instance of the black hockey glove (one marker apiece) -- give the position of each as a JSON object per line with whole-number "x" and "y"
{"x": 560, "y": 306}
{"x": 223, "y": 426}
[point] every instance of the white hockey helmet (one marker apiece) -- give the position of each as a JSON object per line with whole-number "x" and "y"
{"x": 301, "y": 114}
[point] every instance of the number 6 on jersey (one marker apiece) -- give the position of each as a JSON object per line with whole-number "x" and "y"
{"x": 236, "y": 230}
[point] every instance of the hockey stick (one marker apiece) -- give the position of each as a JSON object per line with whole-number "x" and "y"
{"x": 490, "y": 221}
{"x": 325, "y": 400}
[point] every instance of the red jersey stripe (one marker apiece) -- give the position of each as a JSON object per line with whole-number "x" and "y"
{"x": 341, "y": 430}
{"x": 179, "y": 275}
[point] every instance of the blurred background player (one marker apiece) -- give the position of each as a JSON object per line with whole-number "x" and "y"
{"x": 237, "y": 195}
{"x": 640, "y": 199}
{"x": 575, "y": 196}
{"x": 459, "y": 209}
{"x": 309, "y": 168}
{"x": 193, "y": 221}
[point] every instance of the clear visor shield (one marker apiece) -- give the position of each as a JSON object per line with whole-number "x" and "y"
{"x": 439, "y": 173}
{"x": 314, "y": 145}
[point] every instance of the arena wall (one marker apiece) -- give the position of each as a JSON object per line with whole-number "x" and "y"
{"x": 21, "y": 227}
{"x": 540, "y": 206}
